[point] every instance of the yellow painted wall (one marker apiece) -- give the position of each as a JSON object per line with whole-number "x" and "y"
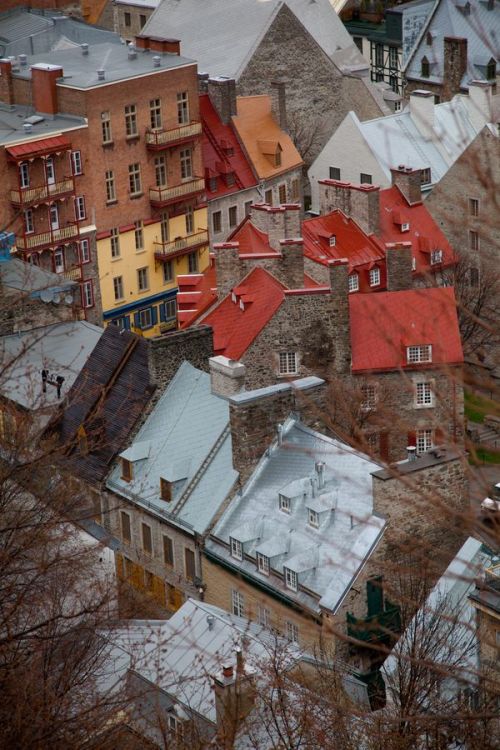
{"x": 130, "y": 260}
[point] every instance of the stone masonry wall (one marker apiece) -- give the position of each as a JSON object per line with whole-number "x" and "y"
{"x": 168, "y": 352}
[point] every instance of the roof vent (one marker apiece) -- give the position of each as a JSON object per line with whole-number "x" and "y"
{"x": 210, "y": 622}
{"x": 101, "y": 74}
{"x": 411, "y": 452}
{"x": 84, "y": 48}
{"x": 132, "y": 52}
{"x": 320, "y": 473}
{"x": 23, "y": 60}
{"x": 156, "y": 61}
{"x": 279, "y": 429}
{"x": 28, "y": 127}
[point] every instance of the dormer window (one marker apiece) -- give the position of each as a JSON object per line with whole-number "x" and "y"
{"x": 230, "y": 179}
{"x": 127, "y": 472}
{"x": 353, "y": 282}
{"x": 212, "y": 184}
{"x": 285, "y": 504}
{"x": 418, "y": 354}
{"x": 436, "y": 257}
{"x": 262, "y": 564}
{"x": 425, "y": 176}
{"x": 425, "y": 69}
{"x": 291, "y": 579}
{"x": 491, "y": 69}
{"x": 313, "y": 518}
{"x": 165, "y": 490}
{"x": 236, "y": 549}
{"x": 332, "y": 241}
{"x": 428, "y": 39}
{"x": 405, "y": 227}
{"x": 375, "y": 277}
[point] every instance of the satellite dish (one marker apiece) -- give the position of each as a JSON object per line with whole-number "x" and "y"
{"x": 46, "y": 295}
{"x": 69, "y": 299}
{"x": 56, "y": 298}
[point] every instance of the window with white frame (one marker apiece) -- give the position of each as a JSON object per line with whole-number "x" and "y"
{"x": 76, "y": 162}
{"x": 24, "y": 174}
{"x": 405, "y": 226}
{"x": 292, "y": 632}
{"x": 423, "y": 392}
{"x": 106, "y": 127}
{"x": 374, "y": 276}
{"x": 237, "y": 603}
{"x": 139, "y": 235}
{"x": 425, "y": 176}
{"x": 236, "y": 549}
{"x": 143, "y": 279}
{"x": 264, "y": 616}
{"x": 291, "y": 580}
{"x": 186, "y": 160}
{"x": 29, "y": 224}
{"x": 288, "y": 363}
{"x": 397, "y": 106}
{"x": 183, "y": 108}
{"x": 436, "y": 257}
{"x": 134, "y": 179}
{"x": 160, "y": 171}
{"x": 262, "y": 564}
{"x": 80, "y": 207}
{"x": 84, "y": 251}
{"x": 145, "y": 318}
{"x": 332, "y": 241}
{"x": 420, "y": 353}
{"x": 175, "y": 726}
{"x": 353, "y": 282}
{"x": 59, "y": 260}
{"x": 110, "y": 186}
{"x": 155, "y": 113}
{"x": 424, "y": 440}
{"x": 88, "y": 294}
{"x": 131, "y": 120}
{"x": 312, "y": 518}
{"x": 285, "y": 504}
{"x": 368, "y": 396}
{"x": 170, "y": 310}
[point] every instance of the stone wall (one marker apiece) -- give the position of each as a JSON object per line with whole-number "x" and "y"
{"x": 168, "y": 352}
{"x": 19, "y": 312}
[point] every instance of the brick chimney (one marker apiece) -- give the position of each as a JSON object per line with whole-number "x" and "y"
{"x": 44, "y": 87}
{"x": 222, "y": 93}
{"x": 227, "y": 266}
{"x": 360, "y": 202}
{"x": 398, "y": 259}
{"x": 158, "y": 44}
{"x": 338, "y": 271}
{"x": 227, "y": 376}
{"x": 6, "y": 86}
{"x": 278, "y": 222}
{"x": 278, "y": 103}
{"x": 455, "y": 65}
{"x": 409, "y": 182}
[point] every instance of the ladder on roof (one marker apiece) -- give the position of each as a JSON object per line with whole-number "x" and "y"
{"x": 198, "y": 475}
{"x": 415, "y": 143}
{"x": 218, "y": 150}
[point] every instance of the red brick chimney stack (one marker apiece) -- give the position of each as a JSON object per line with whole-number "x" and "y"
{"x": 44, "y": 87}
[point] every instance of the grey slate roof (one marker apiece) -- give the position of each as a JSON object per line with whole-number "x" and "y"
{"x": 12, "y": 119}
{"x": 223, "y": 34}
{"x": 185, "y": 440}
{"x": 326, "y": 559}
{"x": 30, "y": 279}
{"x": 481, "y": 28}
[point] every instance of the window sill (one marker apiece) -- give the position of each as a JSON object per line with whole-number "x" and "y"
{"x": 120, "y": 302}
{"x": 424, "y": 406}
{"x": 131, "y": 138}
{"x": 287, "y": 374}
{"x": 141, "y": 251}
{"x": 143, "y": 291}
{"x": 134, "y": 196}
{"x": 108, "y": 144}
{"x": 112, "y": 203}
{"x": 113, "y": 260}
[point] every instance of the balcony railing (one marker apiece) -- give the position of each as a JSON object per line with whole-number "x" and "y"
{"x": 376, "y": 628}
{"x": 163, "y": 196}
{"x": 165, "y": 250}
{"x": 73, "y": 274}
{"x": 43, "y": 239}
{"x": 29, "y": 195}
{"x": 166, "y": 138}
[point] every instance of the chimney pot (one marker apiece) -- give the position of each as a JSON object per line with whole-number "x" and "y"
{"x": 156, "y": 61}
{"x": 227, "y": 670}
{"x": 23, "y": 60}
{"x": 85, "y": 48}
{"x": 27, "y": 127}
{"x": 210, "y": 622}
{"x": 320, "y": 472}
{"x": 411, "y": 452}
{"x": 101, "y": 74}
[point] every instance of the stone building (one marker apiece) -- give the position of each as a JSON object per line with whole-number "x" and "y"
{"x": 131, "y": 16}
{"x": 486, "y": 601}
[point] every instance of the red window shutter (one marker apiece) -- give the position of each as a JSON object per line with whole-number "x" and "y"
{"x": 384, "y": 446}
{"x": 412, "y": 439}
{"x": 439, "y": 436}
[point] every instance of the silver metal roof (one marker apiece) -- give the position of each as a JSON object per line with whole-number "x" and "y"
{"x": 327, "y": 558}
{"x": 12, "y": 120}
{"x": 185, "y": 440}
{"x": 31, "y": 279}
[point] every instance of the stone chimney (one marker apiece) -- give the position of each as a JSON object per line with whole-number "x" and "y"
{"x": 338, "y": 271}
{"x": 292, "y": 263}
{"x": 227, "y": 376}
{"x": 360, "y": 202}
{"x": 278, "y": 103}
{"x": 166, "y": 354}
{"x": 398, "y": 260}
{"x": 234, "y": 699}
{"x": 44, "y": 87}
{"x": 278, "y": 222}
{"x": 409, "y": 182}
{"x": 480, "y": 103}
{"x": 6, "y": 85}
{"x": 222, "y": 92}
{"x": 227, "y": 266}
{"x": 455, "y": 65}
{"x": 422, "y": 111}
{"x": 203, "y": 83}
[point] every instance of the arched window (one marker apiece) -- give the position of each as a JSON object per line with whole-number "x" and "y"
{"x": 426, "y": 68}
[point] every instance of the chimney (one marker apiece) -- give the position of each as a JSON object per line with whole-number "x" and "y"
{"x": 360, "y": 202}
{"x": 422, "y": 111}
{"x": 44, "y": 87}
{"x": 6, "y": 85}
{"x": 278, "y": 222}
{"x": 409, "y": 182}
{"x": 227, "y": 266}
{"x": 278, "y": 103}
{"x": 84, "y": 48}
{"x": 227, "y": 376}
{"x": 339, "y": 283}
{"x": 398, "y": 262}
{"x": 480, "y": 103}
{"x": 222, "y": 92}
{"x": 292, "y": 263}
{"x": 411, "y": 453}
{"x": 158, "y": 44}
{"x": 234, "y": 699}
{"x": 455, "y": 65}
{"x": 203, "y": 83}
{"x": 320, "y": 474}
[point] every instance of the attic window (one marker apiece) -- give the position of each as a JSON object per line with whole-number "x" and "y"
{"x": 332, "y": 241}
{"x": 212, "y": 184}
{"x": 291, "y": 580}
{"x": 236, "y": 549}
{"x": 127, "y": 472}
{"x": 262, "y": 564}
{"x": 436, "y": 257}
{"x": 425, "y": 176}
{"x": 313, "y": 518}
{"x": 285, "y": 504}
{"x": 375, "y": 277}
{"x": 420, "y": 353}
{"x": 353, "y": 282}
{"x": 230, "y": 179}
{"x": 405, "y": 227}
{"x": 277, "y": 157}
{"x": 288, "y": 363}
{"x": 491, "y": 69}
{"x": 425, "y": 70}
{"x": 165, "y": 490}
{"x": 428, "y": 39}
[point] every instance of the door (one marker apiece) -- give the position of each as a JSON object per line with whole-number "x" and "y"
{"x": 59, "y": 260}
{"x": 50, "y": 174}
{"x": 54, "y": 217}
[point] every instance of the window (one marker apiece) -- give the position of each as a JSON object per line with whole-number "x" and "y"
{"x": 353, "y": 282}
{"x": 368, "y": 397}
{"x": 130, "y": 120}
{"x": 295, "y": 190}
{"x": 405, "y": 227}
{"x": 436, "y": 257}
{"x": 170, "y": 310}
{"x": 473, "y": 240}
{"x": 474, "y": 206}
{"x": 127, "y": 19}
{"x": 393, "y": 57}
{"x": 282, "y": 193}
{"x": 290, "y": 579}
{"x": 397, "y": 106}
{"x": 84, "y": 251}
{"x": 139, "y": 235}
{"x": 79, "y": 207}
{"x": 428, "y": 39}
{"x": 54, "y": 215}
{"x": 425, "y": 69}
{"x": 87, "y": 294}
{"x": 160, "y": 171}
{"x": 110, "y": 186}
{"x": 332, "y": 241}
{"x": 189, "y": 563}
{"x": 165, "y": 490}
{"x": 424, "y": 394}
{"x": 76, "y": 162}
{"x": 59, "y": 260}
{"x": 248, "y": 207}
{"x": 147, "y": 538}
{"x": 142, "y": 20}
{"x": 127, "y": 473}
{"x": 134, "y": 179}
{"x": 186, "y": 164}
{"x": 168, "y": 551}
{"x": 24, "y": 174}
{"x": 143, "y": 279}
{"x": 421, "y": 353}
{"x": 236, "y": 549}
{"x": 118, "y": 287}
{"x": 379, "y": 54}
{"x": 288, "y": 363}
{"x": 375, "y": 277}
{"x": 292, "y": 632}
{"x": 277, "y": 157}
{"x": 230, "y": 179}
{"x": 115, "y": 243}
{"x": 106, "y": 127}
{"x": 182, "y": 108}
{"x": 264, "y": 617}
{"x": 189, "y": 220}
{"x": 193, "y": 262}
{"x": 175, "y": 726}
{"x": 217, "y": 221}
{"x": 148, "y": 580}
{"x": 313, "y": 518}
{"x": 50, "y": 173}
{"x": 365, "y": 179}
{"x": 164, "y": 228}
{"x": 425, "y": 176}
{"x": 268, "y": 197}
{"x": 334, "y": 173}
{"x": 145, "y": 319}
{"x": 155, "y": 113}
{"x": 29, "y": 224}
{"x": 474, "y": 276}
{"x": 168, "y": 273}
{"x": 262, "y": 564}
{"x": 237, "y": 604}
{"x": 233, "y": 216}
{"x": 424, "y": 440}
{"x": 284, "y": 503}
{"x": 125, "y": 527}
{"x": 491, "y": 69}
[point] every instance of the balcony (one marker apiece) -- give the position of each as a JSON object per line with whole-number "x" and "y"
{"x": 167, "y": 250}
{"x": 32, "y": 195}
{"x": 47, "y": 239}
{"x": 160, "y": 197}
{"x": 73, "y": 274}
{"x": 160, "y": 139}
{"x": 378, "y": 628}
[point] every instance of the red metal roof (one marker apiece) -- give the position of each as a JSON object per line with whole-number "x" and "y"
{"x": 384, "y": 324}
{"x": 350, "y": 241}
{"x": 222, "y": 153}
{"x": 252, "y": 240}
{"x": 196, "y": 294}
{"x": 38, "y": 148}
